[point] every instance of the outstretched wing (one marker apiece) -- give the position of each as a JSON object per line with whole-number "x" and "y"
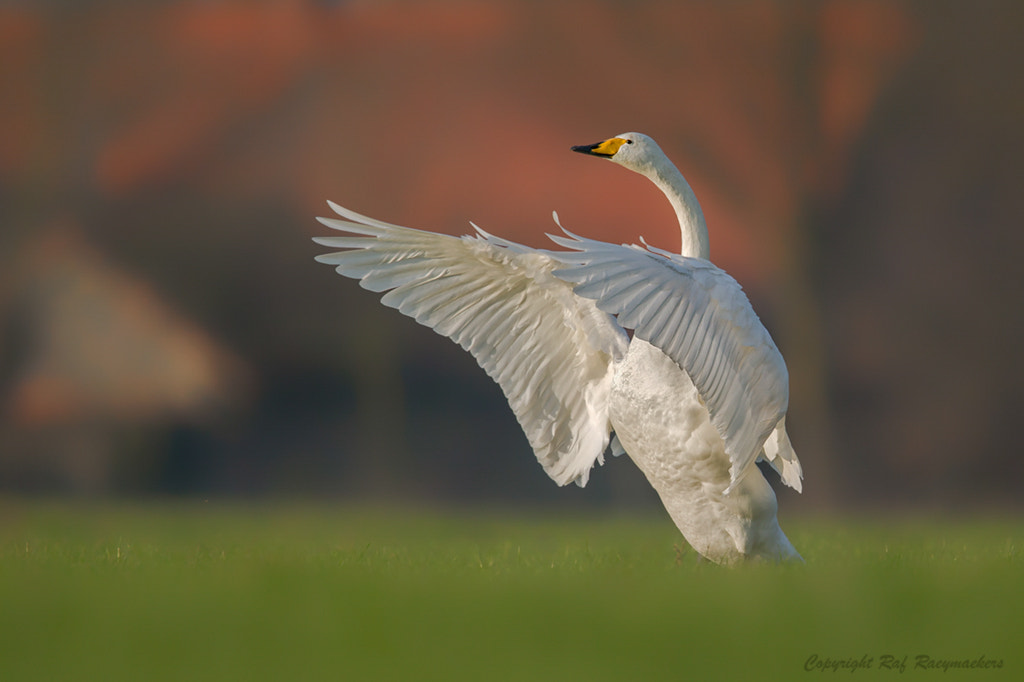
{"x": 549, "y": 350}
{"x": 698, "y": 316}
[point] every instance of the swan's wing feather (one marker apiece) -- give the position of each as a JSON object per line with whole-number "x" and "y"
{"x": 551, "y": 351}
{"x": 699, "y": 316}
{"x": 778, "y": 451}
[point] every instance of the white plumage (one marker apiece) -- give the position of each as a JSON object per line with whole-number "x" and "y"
{"x": 695, "y": 397}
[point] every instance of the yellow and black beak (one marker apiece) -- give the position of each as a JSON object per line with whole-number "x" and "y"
{"x": 606, "y": 149}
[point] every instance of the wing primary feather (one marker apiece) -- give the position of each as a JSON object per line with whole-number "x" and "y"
{"x": 342, "y": 242}
{"x": 500, "y": 301}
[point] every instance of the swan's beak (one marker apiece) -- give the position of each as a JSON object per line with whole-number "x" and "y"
{"x": 606, "y": 149}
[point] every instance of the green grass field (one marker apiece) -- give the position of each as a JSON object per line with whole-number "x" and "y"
{"x": 193, "y": 591}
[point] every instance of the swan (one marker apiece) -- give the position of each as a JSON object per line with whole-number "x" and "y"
{"x": 695, "y": 395}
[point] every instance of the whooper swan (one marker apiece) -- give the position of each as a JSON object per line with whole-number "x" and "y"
{"x": 694, "y": 397}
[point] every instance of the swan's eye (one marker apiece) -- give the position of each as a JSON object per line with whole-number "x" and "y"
{"x": 629, "y": 141}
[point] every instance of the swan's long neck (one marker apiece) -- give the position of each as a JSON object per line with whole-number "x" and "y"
{"x": 691, "y": 219}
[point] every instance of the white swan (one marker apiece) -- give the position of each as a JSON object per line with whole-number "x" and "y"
{"x": 695, "y": 397}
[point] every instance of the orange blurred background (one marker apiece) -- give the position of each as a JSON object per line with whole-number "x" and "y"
{"x": 164, "y": 329}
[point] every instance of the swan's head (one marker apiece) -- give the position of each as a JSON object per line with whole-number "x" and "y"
{"x": 635, "y": 151}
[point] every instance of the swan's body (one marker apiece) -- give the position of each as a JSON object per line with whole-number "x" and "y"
{"x": 695, "y": 397}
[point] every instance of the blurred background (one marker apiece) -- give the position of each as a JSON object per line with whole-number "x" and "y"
{"x": 164, "y": 329}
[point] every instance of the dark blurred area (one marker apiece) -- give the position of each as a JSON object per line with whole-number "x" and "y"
{"x": 164, "y": 329}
